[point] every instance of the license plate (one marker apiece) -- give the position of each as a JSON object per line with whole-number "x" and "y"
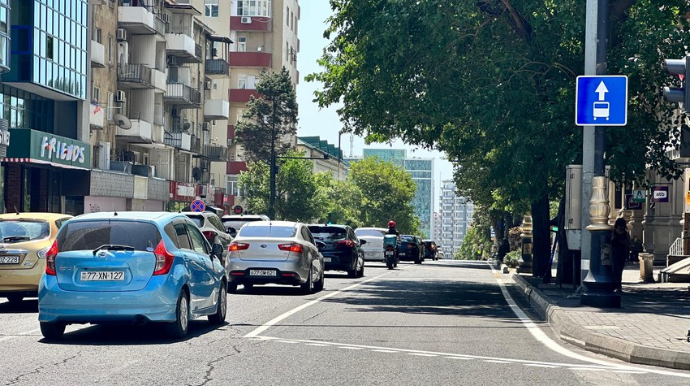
{"x": 262, "y": 272}
{"x": 102, "y": 275}
{"x": 402, "y": 253}
{"x": 9, "y": 259}
{"x": 389, "y": 253}
{"x": 327, "y": 259}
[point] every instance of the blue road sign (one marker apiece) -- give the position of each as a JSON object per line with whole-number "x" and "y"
{"x": 601, "y": 100}
{"x": 198, "y": 206}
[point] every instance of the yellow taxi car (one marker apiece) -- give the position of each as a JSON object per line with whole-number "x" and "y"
{"x": 24, "y": 240}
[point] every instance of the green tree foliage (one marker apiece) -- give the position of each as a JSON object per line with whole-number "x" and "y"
{"x": 492, "y": 83}
{"x": 343, "y": 200}
{"x": 297, "y": 190}
{"x": 387, "y": 193}
{"x": 276, "y": 108}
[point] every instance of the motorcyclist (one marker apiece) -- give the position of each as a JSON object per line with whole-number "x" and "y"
{"x": 392, "y": 230}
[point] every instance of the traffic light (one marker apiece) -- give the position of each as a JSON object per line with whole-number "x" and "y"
{"x": 680, "y": 67}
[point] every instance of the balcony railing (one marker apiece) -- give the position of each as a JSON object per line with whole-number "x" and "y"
{"x": 183, "y": 95}
{"x": 171, "y": 140}
{"x": 160, "y": 25}
{"x": 196, "y": 145}
{"x": 217, "y": 67}
{"x": 214, "y": 152}
{"x": 183, "y": 28}
{"x": 134, "y": 73}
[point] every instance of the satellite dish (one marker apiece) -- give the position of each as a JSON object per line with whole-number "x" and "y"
{"x": 196, "y": 173}
{"x": 122, "y": 122}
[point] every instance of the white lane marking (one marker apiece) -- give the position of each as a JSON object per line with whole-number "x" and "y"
{"x": 538, "y": 365}
{"x": 351, "y": 348}
{"x": 316, "y": 344}
{"x": 423, "y": 355}
{"x": 495, "y": 361}
{"x": 445, "y": 354}
{"x": 295, "y": 310}
{"x": 463, "y": 358}
{"x": 386, "y": 351}
{"x": 540, "y": 336}
{"x": 288, "y": 341}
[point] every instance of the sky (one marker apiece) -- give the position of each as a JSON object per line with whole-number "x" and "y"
{"x": 325, "y": 123}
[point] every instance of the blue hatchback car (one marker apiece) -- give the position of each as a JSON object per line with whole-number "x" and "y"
{"x": 131, "y": 267}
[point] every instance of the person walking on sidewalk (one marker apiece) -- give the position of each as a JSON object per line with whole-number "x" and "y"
{"x": 620, "y": 248}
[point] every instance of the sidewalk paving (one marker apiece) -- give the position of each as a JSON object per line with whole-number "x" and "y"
{"x": 650, "y": 328}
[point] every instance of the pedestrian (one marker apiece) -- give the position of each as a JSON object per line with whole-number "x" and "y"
{"x": 620, "y": 249}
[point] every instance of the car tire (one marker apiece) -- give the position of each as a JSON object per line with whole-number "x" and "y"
{"x": 232, "y": 288}
{"x": 318, "y": 286}
{"x": 222, "y": 309}
{"x": 360, "y": 273}
{"x": 15, "y": 299}
{"x": 179, "y": 328}
{"x": 308, "y": 286}
{"x": 53, "y": 331}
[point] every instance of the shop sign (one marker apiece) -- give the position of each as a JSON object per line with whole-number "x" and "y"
{"x": 42, "y": 147}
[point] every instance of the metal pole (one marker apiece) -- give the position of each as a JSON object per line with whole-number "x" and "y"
{"x": 598, "y": 284}
{"x": 339, "y": 152}
{"x": 272, "y": 171}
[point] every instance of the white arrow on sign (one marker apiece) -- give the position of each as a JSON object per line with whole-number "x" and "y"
{"x": 601, "y": 90}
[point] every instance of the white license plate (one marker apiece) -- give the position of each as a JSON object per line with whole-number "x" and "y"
{"x": 390, "y": 253}
{"x": 9, "y": 259}
{"x": 326, "y": 259}
{"x": 402, "y": 253}
{"x": 102, "y": 275}
{"x": 262, "y": 272}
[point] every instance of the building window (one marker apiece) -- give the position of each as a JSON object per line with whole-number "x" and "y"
{"x": 97, "y": 34}
{"x": 49, "y": 47}
{"x": 211, "y": 8}
{"x": 254, "y": 8}
{"x": 110, "y": 48}
{"x": 242, "y": 82}
{"x": 287, "y": 16}
{"x": 242, "y": 44}
{"x": 109, "y": 107}
{"x": 96, "y": 94}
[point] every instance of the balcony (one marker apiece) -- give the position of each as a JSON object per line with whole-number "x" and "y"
{"x": 159, "y": 80}
{"x": 241, "y": 95}
{"x": 250, "y": 59}
{"x": 195, "y": 145}
{"x": 182, "y": 141}
{"x": 134, "y": 76}
{"x": 182, "y": 96}
{"x": 235, "y": 167}
{"x": 183, "y": 47}
{"x": 251, "y": 23}
{"x": 215, "y": 153}
{"x": 140, "y": 132}
{"x": 137, "y": 20}
{"x": 97, "y": 54}
{"x": 216, "y": 109}
{"x": 217, "y": 68}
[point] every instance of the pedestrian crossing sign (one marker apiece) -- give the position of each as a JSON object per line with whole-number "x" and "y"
{"x": 639, "y": 195}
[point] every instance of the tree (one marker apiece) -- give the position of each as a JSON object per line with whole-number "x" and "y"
{"x": 491, "y": 83}
{"x": 269, "y": 119}
{"x": 343, "y": 200}
{"x": 298, "y": 196}
{"x": 387, "y": 193}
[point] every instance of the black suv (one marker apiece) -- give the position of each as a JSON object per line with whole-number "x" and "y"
{"x": 430, "y": 249}
{"x": 411, "y": 249}
{"x": 342, "y": 250}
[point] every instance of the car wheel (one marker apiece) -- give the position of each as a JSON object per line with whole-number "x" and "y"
{"x": 360, "y": 273}
{"x": 308, "y": 286}
{"x": 318, "y": 286}
{"x": 52, "y": 331}
{"x": 15, "y": 299}
{"x": 222, "y": 309}
{"x": 179, "y": 328}
{"x": 232, "y": 288}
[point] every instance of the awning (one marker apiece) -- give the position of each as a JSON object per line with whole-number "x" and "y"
{"x": 40, "y": 147}
{"x": 38, "y": 161}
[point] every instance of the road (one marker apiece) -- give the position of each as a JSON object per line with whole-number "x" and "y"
{"x": 439, "y": 323}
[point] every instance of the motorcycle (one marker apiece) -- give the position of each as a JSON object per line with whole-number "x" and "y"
{"x": 390, "y": 250}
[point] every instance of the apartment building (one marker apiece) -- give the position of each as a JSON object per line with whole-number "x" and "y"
{"x": 326, "y": 157}
{"x": 456, "y": 218}
{"x": 4, "y": 67}
{"x": 264, "y": 36}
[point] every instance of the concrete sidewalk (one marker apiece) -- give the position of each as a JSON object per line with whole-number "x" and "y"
{"x": 650, "y": 328}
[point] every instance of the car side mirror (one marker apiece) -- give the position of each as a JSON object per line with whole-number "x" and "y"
{"x": 217, "y": 250}
{"x": 362, "y": 242}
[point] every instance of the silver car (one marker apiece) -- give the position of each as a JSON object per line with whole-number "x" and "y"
{"x": 373, "y": 249}
{"x": 280, "y": 252}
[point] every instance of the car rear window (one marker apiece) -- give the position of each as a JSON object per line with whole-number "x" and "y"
{"x": 90, "y": 235}
{"x": 198, "y": 220}
{"x": 328, "y": 233}
{"x": 22, "y": 230}
{"x": 369, "y": 232}
{"x": 267, "y": 231}
{"x": 409, "y": 239}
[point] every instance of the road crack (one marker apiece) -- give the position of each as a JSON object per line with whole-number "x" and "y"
{"x": 38, "y": 370}
{"x": 211, "y": 365}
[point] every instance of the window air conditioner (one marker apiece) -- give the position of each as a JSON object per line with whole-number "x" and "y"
{"x": 120, "y": 96}
{"x": 246, "y": 20}
{"x": 121, "y": 34}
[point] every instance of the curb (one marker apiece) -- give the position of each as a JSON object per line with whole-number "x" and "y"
{"x": 573, "y": 333}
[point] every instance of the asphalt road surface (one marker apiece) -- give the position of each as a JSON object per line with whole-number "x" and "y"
{"x": 439, "y": 323}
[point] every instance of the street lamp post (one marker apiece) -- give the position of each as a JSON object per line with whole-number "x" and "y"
{"x": 272, "y": 171}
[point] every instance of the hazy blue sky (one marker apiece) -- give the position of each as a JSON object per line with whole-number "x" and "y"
{"x": 325, "y": 122}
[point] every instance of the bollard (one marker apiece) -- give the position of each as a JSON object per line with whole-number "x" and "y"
{"x": 646, "y": 267}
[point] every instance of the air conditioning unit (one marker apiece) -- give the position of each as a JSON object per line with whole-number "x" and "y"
{"x": 121, "y": 34}
{"x": 207, "y": 85}
{"x": 120, "y": 96}
{"x": 246, "y": 20}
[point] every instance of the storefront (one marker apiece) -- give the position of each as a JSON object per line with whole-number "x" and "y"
{"x": 44, "y": 172}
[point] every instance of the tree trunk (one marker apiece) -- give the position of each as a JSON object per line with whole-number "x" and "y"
{"x": 541, "y": 240}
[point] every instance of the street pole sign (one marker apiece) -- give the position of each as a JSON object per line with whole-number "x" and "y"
{"x": 198, "y": 206}
{"x": 639, "y": 195}
{"x": 601, "y": 100}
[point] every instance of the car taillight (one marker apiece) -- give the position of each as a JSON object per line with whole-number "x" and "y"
{"x": 346, "y": 243}
{"x": 50, "y": 259}
{"x": 164, "y": 259}
{"x": 238, "y": 246}
{"x": 210, "y": 235}
{"x": 411, "y": 245}
{"x": 297, "y": 248}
